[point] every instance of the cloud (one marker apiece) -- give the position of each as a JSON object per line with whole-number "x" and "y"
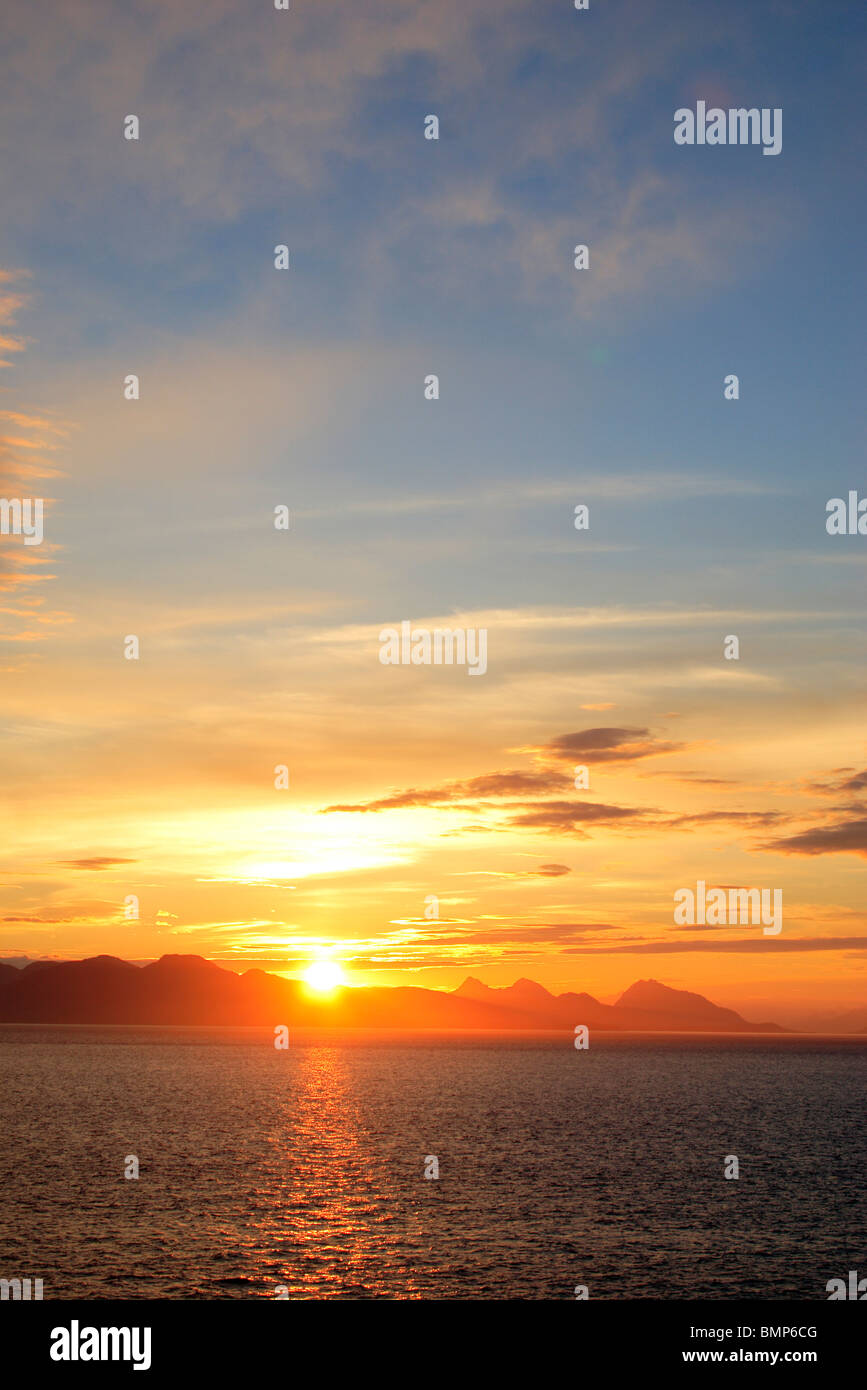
{"x": 647, "y": 486}
{"x": 217, "y": 88}
{"x": 490, "y": 784}
{"x": 747, "y": 818}
{"x": 11, "y": 304}
{"x": 534, "y": 810}
{"x": 572, "y": 816}
{"x": 426, "y": 938}
{"x": 533, "y": 799}
{"x": 597, "y": 745}
{"x": 27, "y": 443}
{"x": 846, "y": 779}
{"x": 606, "y": 746}
{"x": 543, "y": 871}
{"x": 692, "y": 778}
{"x": 758, "y": 945}
{"x": 86, "y": 910}
{"x": 841, "y": 837}
{"x": 95, "y": 863}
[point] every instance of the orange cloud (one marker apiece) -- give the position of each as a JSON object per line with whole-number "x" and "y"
{"x": 22, "y": 461}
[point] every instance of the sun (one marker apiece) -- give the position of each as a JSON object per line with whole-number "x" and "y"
{"x": 324, "y": 976}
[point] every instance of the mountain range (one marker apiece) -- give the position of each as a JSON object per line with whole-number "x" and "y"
{"x": 188, "y": 990}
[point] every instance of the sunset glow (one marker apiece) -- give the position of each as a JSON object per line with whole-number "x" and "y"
{"x": 253, "y": 783}
{"x": 324, "y": 976}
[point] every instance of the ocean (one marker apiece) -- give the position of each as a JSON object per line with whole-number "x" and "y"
{"x": 301, "y": 1173}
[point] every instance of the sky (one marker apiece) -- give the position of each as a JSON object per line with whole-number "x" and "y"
{"x": 304, "y": 388}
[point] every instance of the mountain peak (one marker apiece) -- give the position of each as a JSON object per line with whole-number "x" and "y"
{"x": 473, "y": 989}
{"x": 106, "y": 960}
{"x": 651, "y": 995}
{"x": 182, "y": 963}
{"x": 528, "y": 989}
{"x": 523, "y": 990}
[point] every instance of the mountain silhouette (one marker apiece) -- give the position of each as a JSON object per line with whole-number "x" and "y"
{"x": 188, "y": 990}
{"x": 523, "y": 994}
{"x": 645, "y": 1007}
{"x": 651, "y": 997}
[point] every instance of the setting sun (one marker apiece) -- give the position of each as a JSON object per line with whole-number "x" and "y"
{"x": 324, "y": 976}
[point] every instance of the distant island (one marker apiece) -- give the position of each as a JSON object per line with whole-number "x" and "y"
{"x": 188, "y": 990}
